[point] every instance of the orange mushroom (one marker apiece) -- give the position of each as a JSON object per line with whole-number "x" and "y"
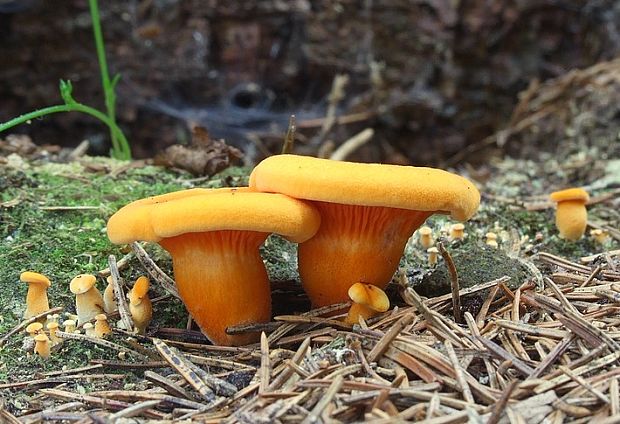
{"x": 102, "y": 327}
{"x": 213, "y": 237}
{"x": 109, "y": 301}
{"x": 426, "y": 237}
{"x": 42, "y": 345}
{"x": 368, "y": 212}
{"x": 368, "y": 301}
{"x": 36, "y": 299}
{"x": 88, "y": 300}
{"x": 140, "y": 305}
{"x": 571, "y": 216}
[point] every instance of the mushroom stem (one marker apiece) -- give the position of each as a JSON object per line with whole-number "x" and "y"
{"x": 358, "y": 310}
{"x": 225, "y": 268}
{"x": 36, "y": 300}
{"x": 571, "y": 219}
{"x": 354, "y": 244}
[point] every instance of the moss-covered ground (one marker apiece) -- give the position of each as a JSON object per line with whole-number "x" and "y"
{"x": 53, "y": 217}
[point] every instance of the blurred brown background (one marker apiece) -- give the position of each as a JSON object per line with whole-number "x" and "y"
{"x": 429, "y": 76}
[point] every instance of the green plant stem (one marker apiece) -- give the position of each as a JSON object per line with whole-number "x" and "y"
{"x": 120, "y": 146}
{"x": 75, "y": 107}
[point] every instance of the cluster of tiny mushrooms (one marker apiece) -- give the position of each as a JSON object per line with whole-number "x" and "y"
{"x": 351, "y": 222}
{"x": 90, "y": 305}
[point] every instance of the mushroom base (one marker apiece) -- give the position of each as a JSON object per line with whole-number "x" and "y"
{"x": 354, "y": 244}
{"x": 571, "y": 219}
{"x": 222, "y": 281}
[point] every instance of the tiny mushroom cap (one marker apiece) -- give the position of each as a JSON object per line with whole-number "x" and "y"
{"x": 34, "y": 328}
{"x": 368, "y": 212}
{"x": 42, "y": 346}
{"x": 36, "y": 299}
{"x": 368, "y": 301}
{"x": 88, "y": 300}
{"x": 140, "y": 305}
{"x": 213, "y": 236}
{"x": 571, "y": 216}
{"x": 426, "y": 236}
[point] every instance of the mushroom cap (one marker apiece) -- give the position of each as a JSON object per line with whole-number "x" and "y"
{"x": 432, "y": 250}
{"x": 201, "y": 210}
{"x": 42, "y": 337}
{"x": 403, "y": 187}
{"x": 141, "y": 287}
{"x": 101, "y": 317}
{"x": 457, "y": 227}
{"x": 68, "y": 322}
{"x": 491, "y": 235}
{"x": 425, "y": 231}
{"x": 570, "y": 194}
{"x": 369, "y": 295}
{"x": 52, "y": 325}
{"x": 34, "y": 277}
{"x": 82, "y": 283}
{"x": 35, "y": 326}
{"x": 88, "y": 326}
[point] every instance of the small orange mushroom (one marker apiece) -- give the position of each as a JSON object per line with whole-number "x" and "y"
{"x": 52, "y": 327}
{"x": 36, "y": 299}
{"x": 140, "y": 305}
{"x": 214, "y": 237}
{"x": 42, "y": 345}
{"x": 457, "y": 231}
{"x": 491, "y": 239}
{"x": 368, "y": 212}
{"x": 571, "y": 216}
{"x": 88, "y": 300}
{"x": 102, "y": 327}
{"x": 109, "y": 302}
{"x": 368, "y": 301}
{"x": 433, "y": 254}
{"x": 426, "y": 237}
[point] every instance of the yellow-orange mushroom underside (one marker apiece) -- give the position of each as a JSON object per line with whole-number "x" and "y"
{"x": 214, "y": 238}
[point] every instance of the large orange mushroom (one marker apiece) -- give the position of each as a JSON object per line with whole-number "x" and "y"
{"x": 213, "y": 237}
{"x": 368, "y": 211}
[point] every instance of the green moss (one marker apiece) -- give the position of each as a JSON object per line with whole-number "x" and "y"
{"x": 63, "y": 243}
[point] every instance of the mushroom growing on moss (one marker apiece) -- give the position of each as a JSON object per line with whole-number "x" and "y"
{"x": 88, "y": 300}
{"x": 140, "y": 305}
{"x": 368, "y": 212}
{"x": 368, "y": 301}
{"x": 571, "y": 216}
{"x": 213, "y": 237}
{"x": 36, "y": 299}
